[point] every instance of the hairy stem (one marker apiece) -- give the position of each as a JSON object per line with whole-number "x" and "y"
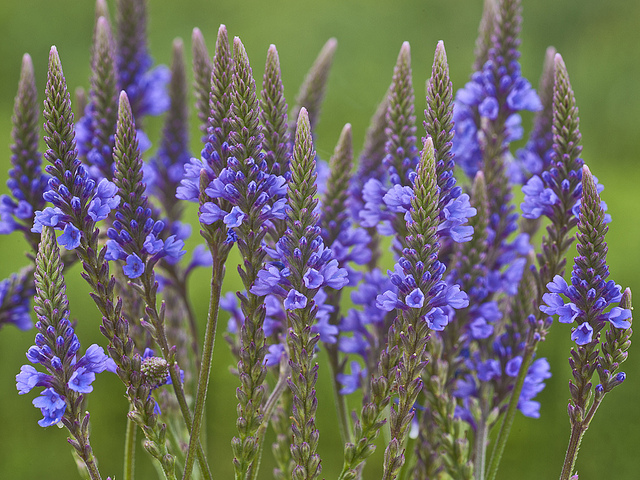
{"x": 507, "y": 420}
{"x": 129, "y": 450}
{"x": 207, "y": 355}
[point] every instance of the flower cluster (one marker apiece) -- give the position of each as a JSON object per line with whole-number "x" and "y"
{"x": 590, "y": 294}
{"x": 57, "y": 345}
{"x": 78, "y": 203}
{"x": 135, "y": 236}
{"x": 26, "y": 181}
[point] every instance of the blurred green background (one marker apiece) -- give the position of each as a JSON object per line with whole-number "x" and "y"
{"x": 600, "y": 44}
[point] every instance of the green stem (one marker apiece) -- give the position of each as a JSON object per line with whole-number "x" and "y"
{"x": 507, "y": 421}
{"x": 169, "y": 355}
{"x": 207, "y": 355}
{"x": 411, "y": 459}
{"x": 92, "y": 468}
{"x": 269, "y": 408}
{"x": 130, "y": 450}
{"x": 577, "y": 433}
{"x": 481, "y": 448}
{"x": 181, "y": 285}
{"x": 344, "y": 422}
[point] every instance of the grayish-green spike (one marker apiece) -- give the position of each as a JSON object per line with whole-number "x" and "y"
{"x": 202, "y": 68}
{"x": 334, "y": 211}
{"x": 273, "y": 114}
{"x": 313, "y": 88}
{"x": 485, "y": 31}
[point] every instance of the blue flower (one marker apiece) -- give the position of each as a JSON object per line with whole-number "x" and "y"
{"x": 415, "y": 299}
{"x": 234, "y": 218}
{"x": 538, "y": 199}
{"x": 489, "y": 108}
{"x": 533, "y": 384}
{"x": 480, "y": 329}
{"x": 29, "y": 377}
{"x": 351, "y": 382}
{"x": 387, "y": 301}
{"x": 134, "y": 266}
{"x": 16, "y": 293}
{"x": 567, "y": 312}
{"x": 313, "y": 279}
{"x": 618, "y": 317}
{"x": 276, "y": 351}
{"x": 488, "y": 370}
{"x": 152, "y": 245}
{"x": 211, "y": 213}
{"x": 49, "y": 217}
{"x": 437, "y": 319}
{"x": 70, "y": 239}
{"x": 173, "y": 247}
{"x": 81, "y": 380}
{"x": 52, "y": 407}
{"x": 582, "y": 334}
{"x": 295, "y": 300}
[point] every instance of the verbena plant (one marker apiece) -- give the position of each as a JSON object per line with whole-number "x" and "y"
{"x": 441, "y": 342}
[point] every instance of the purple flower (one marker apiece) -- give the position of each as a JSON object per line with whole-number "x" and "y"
{"x": 70, "y": 239}
{"x": 480, "y": 329}
{"x": 28, "y": 378}
{"x": 398, "y": 198}
{"x": 489, "y": 108}
{"x": 538, "y": 199}
{"x": 115, "y": 251}
{"x": 523, "y": 97}
{"x": 268, "y": 282}
{"x": 134, "y": 266}
{"x": 513, "y": 366}
{"x": 415, "y": 299}
{"x": 152, "y": 245}
{"x": 52, "y": 407}
{"x": 49, "y": 217}
{"x": 313, "y": 279}
{"x": 328, "y": 333}
{"x": 94, "y": 359}
{"x": 334, "y": 276}
{"x": 211, "y": 213}
{"x": 276, "y": 351}
{"x": 351, "y": 382}
{"x": 234, "y": 218}
{"x": 295, "y": 300}
{"x": 81, "y": 380}
{"x": 189, "y": 188}
{"x": 488, "y": 370}
{"x": 618, "y": 317}
{"x": 16, "y": 293}
{"x": 567, "y": 312}
{"x": 437, "y": 319}
{"x": 388, "y": 301}
{"x": 582, "y": 334}
{"x": 174, "y": 247}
